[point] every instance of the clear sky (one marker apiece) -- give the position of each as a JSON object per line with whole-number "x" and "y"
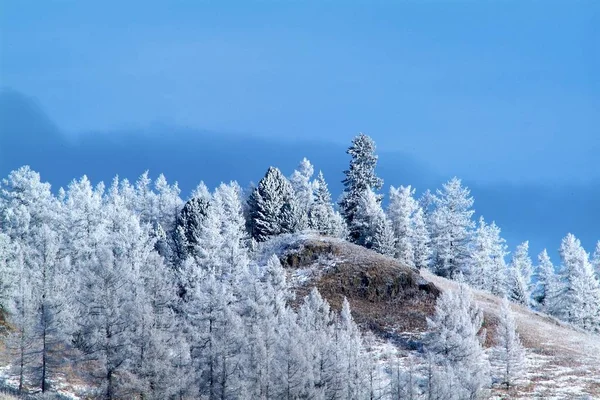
{"x": 488, "y": 90}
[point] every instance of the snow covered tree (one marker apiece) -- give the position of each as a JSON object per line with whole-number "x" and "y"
{"x": 350, "y": 375}
{"x": 216, "y": 338}
{"x": 303, "y": 186}
{"x": 400, "y": 211}
{"x": 20, "y": 343}
{"x": 25, "y": 203}
{"x": 167, "y": 204}
{"x": 273, "y": 207}
{"x": 421, "y": 242}
{"x": 50, "y": 280}
{"x": 547, "y": 284}
{"x": 186, "y": 233}
{"x": 384, "y": 240}
{"x": 488, "y": 269}
{"x": 360, "y": 177}
{"x": 521, "y": 270}
{"x": 7, "y": 273}
{"x": 315, "y": 319}
{"x": 454, "y": 340}
{"x": 322, "y": 217}
{"x": 375, "y": 229}
{"x": 508, "y": 354}
{"x": 579, "y": 299}
{"x": 234, "y": 251}
{"x": 596, "y": 260}
{"x": 451, "y": 229}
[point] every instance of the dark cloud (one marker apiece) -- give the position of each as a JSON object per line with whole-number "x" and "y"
{"x": 540, "y": 213}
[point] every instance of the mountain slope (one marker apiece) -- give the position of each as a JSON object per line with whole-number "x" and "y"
{"x": 393, "y": 301}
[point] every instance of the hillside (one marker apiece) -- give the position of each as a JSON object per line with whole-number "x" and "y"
{"x": 393, "y": 301}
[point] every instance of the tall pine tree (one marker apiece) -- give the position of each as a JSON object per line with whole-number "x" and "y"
{"x": 360, "y": 176}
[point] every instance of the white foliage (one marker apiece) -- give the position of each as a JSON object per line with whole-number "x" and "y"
{"x": 521, "y": 271}
{"x": 508, "y": 354}
{"x": 451, "y": 228}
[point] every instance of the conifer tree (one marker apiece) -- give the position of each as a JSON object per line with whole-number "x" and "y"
{"x": 360, "y": 177}
{"x": 303, "y": 187}
{"x": 322, "y": 216}
{"x": 400, "y": 211}
{"x": 488, "y": 269}
{"x": 421, "y": 242}
{"x": 273, "y": 207}
{"x": 376, "y": 231}
{"x": 7, "y": 273}
{"x": 579, "y": 298}
{"x": 451, "y": 228}
{"x": 521, "y": 270}
{"x": 508, "y": 354}
{"x": 596, "y": 260}
{"x": 186, "y": 234}
{"x": 384, "y": 240}
{"x": 547, "y": 284}
{"x": 454, "y": 341}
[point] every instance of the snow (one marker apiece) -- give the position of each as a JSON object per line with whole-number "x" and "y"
{"x": 563, "y": 361}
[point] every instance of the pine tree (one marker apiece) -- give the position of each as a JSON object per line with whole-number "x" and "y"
{"x": 400, "y": 211}
{"x": 421, "y": 240}
{"x": 384, "y": 240}
{"x": 322, "y": 216}
{"x": 273, "y": 207}
{"x": 360, "y": 177}
{"x": 303, "y": 188}
{"x": 186, "y": 234}
{"x": 508, "y": 354}
{"x": 20, "y": 343}
{"x": 488, "y": 269}
{"x": 546, "y": 288}
{"x": 454, "y": 341}
{"x": 7, "y": 273}
{"x": 579, "y": 298}
{"x": 50, "y": 281}
{"x": 451, "y": 228}
{"x": 521, "y": 270}
{"x": 596, "y": 260}
{"x": 234, "y": 252}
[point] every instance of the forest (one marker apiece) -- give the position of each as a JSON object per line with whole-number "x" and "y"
{"x": 131, "y": 291}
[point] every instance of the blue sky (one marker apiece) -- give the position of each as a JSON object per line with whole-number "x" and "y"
{"x": 492, "y": 91}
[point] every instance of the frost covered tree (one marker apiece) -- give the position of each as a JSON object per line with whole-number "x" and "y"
{"x": 508, "y": 354}
{"x": 421, "y": 241}
{"x": 217, "y": 339}
{"x": 186, "y": 233}
{"x": 521, "y": 270}
{"x": 322, "y": 217}
{"x": 375, "y": 229}
{"x": 454, "y": 341}
{"x": 547, "y": 284}
{"x": 384, "y": 240}
{"x": 400, "y": 211}
{"x": 451, "y": 229}
{"x": 25, "y": 203}
{"x": 360, "y": 177}
{"x": 234, "y": 251}
{"x": 579, "y": 297}
{"x": 7, "y": 273}
{"x": 488, "y": 269}
{"x": 301, "y": 181}
{"x": 273, "y": 207}
{"x": 167, "y": 204}
{"x": 20, "y": 343}
{"x": 50, "y": 280}
{"x": 596, "y": 260}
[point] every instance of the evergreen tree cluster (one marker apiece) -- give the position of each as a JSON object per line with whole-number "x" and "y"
{"x": 154, "y": 297}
